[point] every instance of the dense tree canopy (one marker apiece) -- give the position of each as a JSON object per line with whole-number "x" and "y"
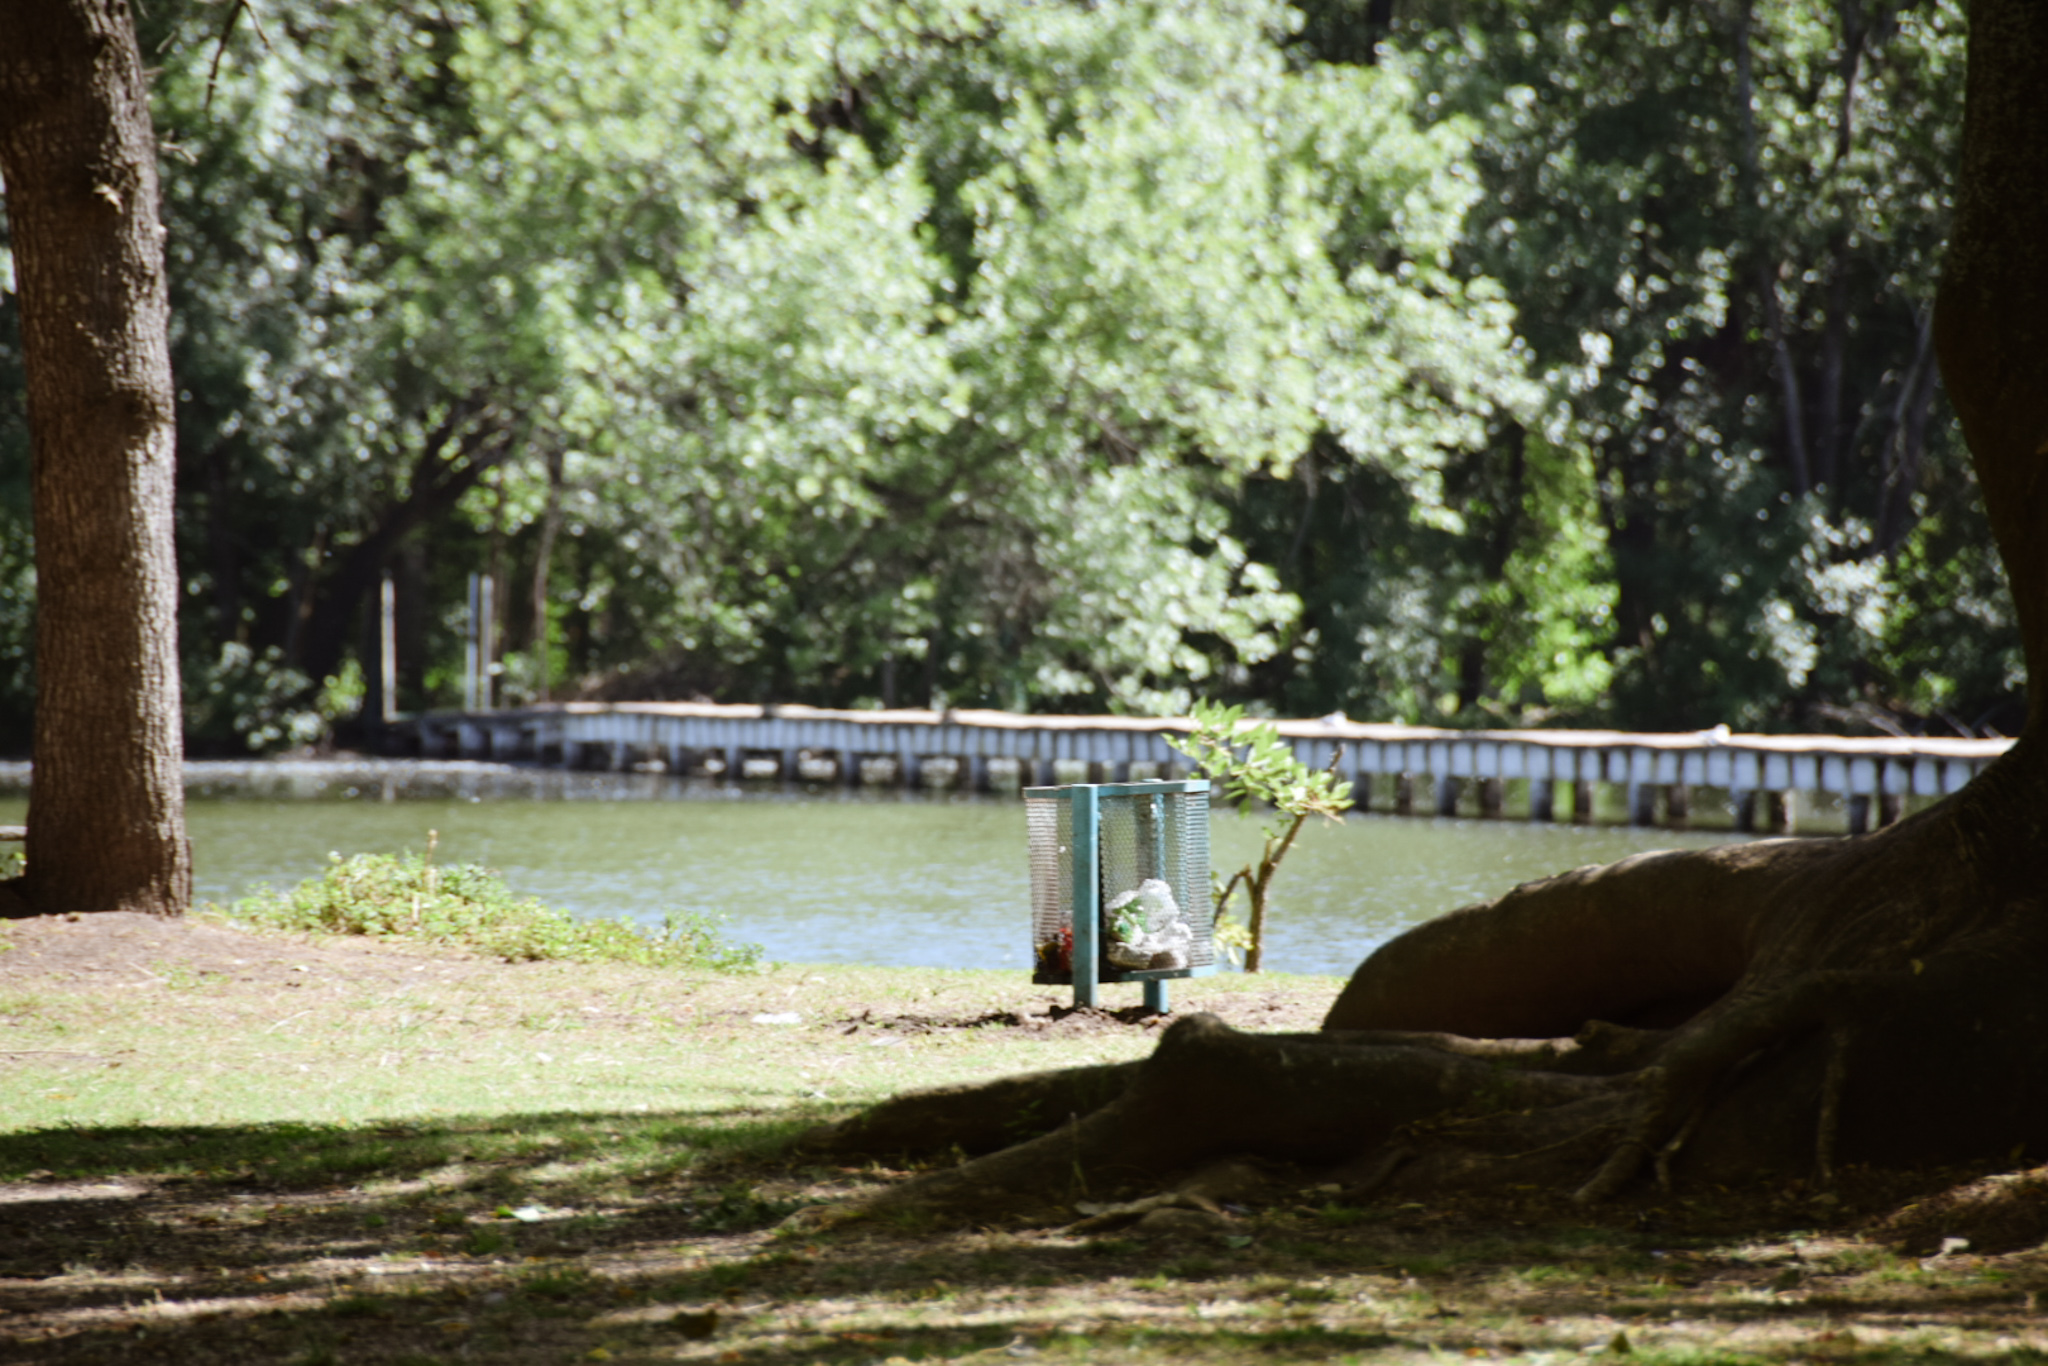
{"x": 1068, "y": 357}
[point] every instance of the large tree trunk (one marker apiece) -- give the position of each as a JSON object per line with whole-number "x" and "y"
{"x": 1781, "y": 1006}
{"x": 1991, "y": 318}
{"x": 106, "y": 824}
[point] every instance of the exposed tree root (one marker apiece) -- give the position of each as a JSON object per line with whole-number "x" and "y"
{"x": 1865, "y": 1000}
{"x": 974, "y": 1119}
{"x": 1649, "y": 940}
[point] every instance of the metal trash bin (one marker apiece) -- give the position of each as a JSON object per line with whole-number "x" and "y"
{"x": 1120, "y": 887}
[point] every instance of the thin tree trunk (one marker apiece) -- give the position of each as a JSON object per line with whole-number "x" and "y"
{"x": 1827, "y": 436}
{"x": 221, "y": 548}
{"x": 1766, "y": 274}
{"x": 543, "y": 556}
{"x": 1828, "y": 442}
{"x": 472, "y": 445}
{"x": 106, "y": 826}
{"x": 1788, "y": 386}
{"x": 1907, "y": 444}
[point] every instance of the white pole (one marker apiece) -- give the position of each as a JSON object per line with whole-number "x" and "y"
{"x": 486, "y": 643}
{"x": 387, "y": 648}
{"x": 469, "y": 653}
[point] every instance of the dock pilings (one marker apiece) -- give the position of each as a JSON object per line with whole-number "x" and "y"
{"x": 1764, "y": 781}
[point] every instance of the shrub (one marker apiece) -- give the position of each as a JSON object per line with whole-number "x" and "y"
{"x": 406, "y": 897}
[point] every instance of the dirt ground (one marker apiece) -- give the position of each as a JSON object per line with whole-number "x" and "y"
{"x": 122, "y": 948}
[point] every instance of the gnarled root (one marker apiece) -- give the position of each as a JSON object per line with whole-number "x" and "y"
{"x": 1210, "y": 1091}
{"x": 975, "y": 1119}
{"x": 1648, "y": 940}
{"x": 1676, "y": 1086}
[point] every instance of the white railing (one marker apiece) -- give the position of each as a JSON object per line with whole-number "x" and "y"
{"x": 1418, "y": 768}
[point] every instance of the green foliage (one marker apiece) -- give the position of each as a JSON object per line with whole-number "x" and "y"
{"x": 850, "y": 357}
{"x": 246, "y": 700}
{"x": 1565, "y": 362}
{"x": 1954, "y": 640}
{"x": 407, "y": 898}
{"x": 1720, "y": 229}
{"x": 1249, "y": 763}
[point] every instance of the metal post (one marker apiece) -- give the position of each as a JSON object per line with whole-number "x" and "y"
{"x": 486, "y": 643}
{"x": 387, "y": 648}
{"x": 1155, "y": 810}
{"x": 1742, "y": 804}
{"x": 469, "y": 642}
{"x": 1087, "y": 894}
{"x": 1492, "y": 798}
{"x": 1859, "y": 813}
{"x": 1156, "y": 999}
{"x": 1446, "y": 794}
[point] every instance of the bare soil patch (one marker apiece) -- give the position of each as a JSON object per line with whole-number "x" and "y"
{"x": 118, "y": 946}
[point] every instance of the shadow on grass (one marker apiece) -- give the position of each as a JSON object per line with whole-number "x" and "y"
{"x": 293, "y": 1155}
{"x": 564, "y": 1236}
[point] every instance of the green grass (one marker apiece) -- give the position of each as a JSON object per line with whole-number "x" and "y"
{"x": 406, "y": 898}
{"x": 349, "y": 1151}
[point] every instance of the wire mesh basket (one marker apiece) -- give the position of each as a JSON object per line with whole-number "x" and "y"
{"x": 1120, "y": 885}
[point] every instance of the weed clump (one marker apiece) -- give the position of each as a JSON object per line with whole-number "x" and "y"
{"x": 405, "y": 897}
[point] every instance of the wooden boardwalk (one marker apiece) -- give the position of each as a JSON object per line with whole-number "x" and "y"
{"x": 1545, "y": 774}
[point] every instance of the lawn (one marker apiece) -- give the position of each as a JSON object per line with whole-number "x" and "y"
{"x": 225, "y": 1146}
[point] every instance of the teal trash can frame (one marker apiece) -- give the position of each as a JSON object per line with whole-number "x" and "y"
{"x": 1094, "y": 845}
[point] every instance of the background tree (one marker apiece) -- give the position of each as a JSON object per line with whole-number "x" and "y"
{"x": 106, "y": 818}
{"x": 1495, "y": 365}
{"x": 927, "y": 354}
{"x": 1717, "y": 225}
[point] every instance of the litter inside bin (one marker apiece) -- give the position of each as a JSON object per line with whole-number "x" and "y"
{"x": 1146, "y": 928}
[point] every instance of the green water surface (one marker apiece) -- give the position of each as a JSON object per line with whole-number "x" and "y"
{"x": 833, "y": 877}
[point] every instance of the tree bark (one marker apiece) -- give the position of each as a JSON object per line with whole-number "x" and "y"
{"x": 106, "y": 827}
{"x": 1991, "y": 316}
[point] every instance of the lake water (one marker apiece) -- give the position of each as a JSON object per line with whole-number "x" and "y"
{"x": 827, "y": 876}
